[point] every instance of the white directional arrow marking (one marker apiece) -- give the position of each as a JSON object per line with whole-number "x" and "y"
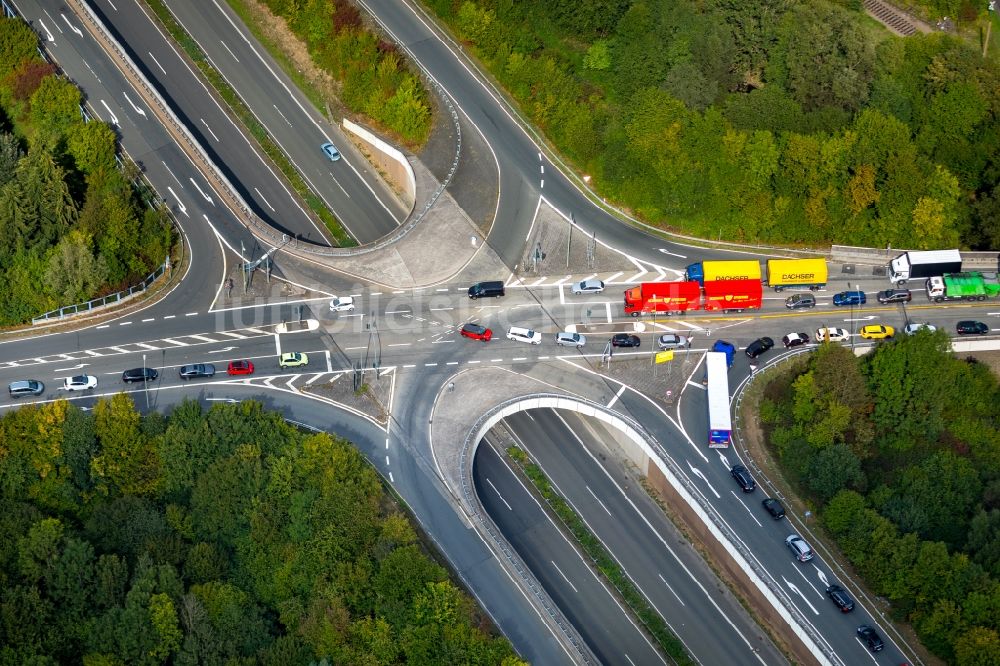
{"x": 180, "y": 206}
{"x": 697, "y": 472}
{"x": 45, "y": 28}
{"x": 71, "y": 26}
{"x": 75, "y": 367}
{"x": 725, "y": 461}
{"x": 822, "y": 576}
{"x": 220, "y": 399}
{"x": 207, "y": 198}
{"x": 672, "y": 254}
{"x": 114, "y": 118}
{"x": 137, "y": 109}
{"x": 222, "y": 351}
{"x": 868, "y": 318}
{"x": 798, "y": 592}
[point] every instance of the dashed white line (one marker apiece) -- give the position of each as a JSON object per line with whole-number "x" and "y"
{"x": 187, "y": 314}
{"x": 157, "y": 62}
{"x": 169, "y": 316}
{"x": 509, "y": 507}
{"x": 124, "y": 323}
{"x": 387, "y": 461}
{"x": 226, "y": 46}
{"x": 103, "y": 326}
{"x": 564, "y": 576}
{"x": 452, "y": 363}
{"x": 496, "y": 360}
{"x": 429, "y": 365}
{"x": 473, "y": 362}
{"x": 400, "y": 344}
{"x": 521, "y": 358}
{"x": 410, "y": 365}
{"x": 264, "y": 200}
{"x": 150, "y": 319}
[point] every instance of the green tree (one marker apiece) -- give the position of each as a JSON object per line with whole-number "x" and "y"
{"x": 55, "y": 107}
{"x": 74, "y": 273}
{"x": 979, "y": 646}
{"x": 18, "y": 42}
{"x": 163, "y": 616}
{"x": 125, "y": 462}
{"x": 93, "y": 146}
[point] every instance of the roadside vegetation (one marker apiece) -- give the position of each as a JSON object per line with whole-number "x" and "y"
{"x": 368, "y": 75}
{"x": 73, "y": 225}
{"x": 212, "y": 537}
{"x": 603, "y": 561}
{"x": 795, "y": 123}
{"x": 899, "y": 453}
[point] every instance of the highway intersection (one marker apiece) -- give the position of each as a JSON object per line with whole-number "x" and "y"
{"x": 408, "y": 335}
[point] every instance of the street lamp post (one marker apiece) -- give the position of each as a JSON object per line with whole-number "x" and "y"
{"x": 145, "y": 384}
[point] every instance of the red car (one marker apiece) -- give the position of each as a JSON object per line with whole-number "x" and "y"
{"x": 240, "y": 368}
{"x": 476, "y": 332}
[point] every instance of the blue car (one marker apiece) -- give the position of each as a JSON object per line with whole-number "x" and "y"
{"x": 330, "y": 151}
{"x": 849, "y": 298}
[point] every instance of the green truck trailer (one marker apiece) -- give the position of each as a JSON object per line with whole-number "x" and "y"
{"x": 963, "y": 287}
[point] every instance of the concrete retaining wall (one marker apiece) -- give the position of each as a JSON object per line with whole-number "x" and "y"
{"x": 389, "y": 160}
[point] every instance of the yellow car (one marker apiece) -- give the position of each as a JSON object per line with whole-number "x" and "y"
{"x": 293, "y": 360}
{"x": 877, "y": 332}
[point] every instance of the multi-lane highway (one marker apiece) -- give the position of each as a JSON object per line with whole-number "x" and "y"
{"x": 417, "y": 333}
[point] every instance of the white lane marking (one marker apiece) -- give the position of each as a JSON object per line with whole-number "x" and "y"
{"x": 671, "y": 589}
{"x": 150, "y": 319}
{"x": 175, "y": 342}
{"x": 188, "y": 314}
{"x": 47, "y": 32}
{"x": 201, "y": 337}
{"x": 400, "y": 344}
{"x": 564, "y": 577}
{"x": 114, "y": 118}
{"x": 290, "y": 124}
{"x": 509, "y": 508}
{"x": 226, "y": 46}
{"x": 232, "y": 335}
{"x": 598, "y": 500}
{"x": 124, "y": 323}
{"x": 202, "y": 193}
{"x": 156, "y": 61}
{"x": 616, "y": 275}
{"x": 607, "y": 307}
{"x": 209, "y": 129}
{"x": 329, "y": 362}
{"x": 135, "y": 107}
{"x": 264, "y": 200}
{"x": 145, "y": 346}
{"x": 613, "y": 400}
{"x": 169, "y": 316}
{"x": 747, "y": 508}
{"x": 103, "y": 326}
{"x": 71, "y": 26}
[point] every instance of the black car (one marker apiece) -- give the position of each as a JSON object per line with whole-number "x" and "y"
{"x": 624, "y": 340}
{"x": 840, "y": 597}
{"x": 759, "y": 346}
{"x": 197, "y": 370}
{"x": 871, "y": 638}
{"x": 894, "y": 296}
{"x": 742, "y": 476}
{"x": 800, "y": 301}
{"x": 774, "y": 508}
{"x": 140, "y": 375}
{"x": 969, "y": 327}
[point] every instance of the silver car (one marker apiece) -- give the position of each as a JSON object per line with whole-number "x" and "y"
{"x": 79, "y": 383}
{"x": 587, "y": 287}
{"x": 567, "y": 339}
{"x": 672, "y": 341}
{"x": 800, "y": 549}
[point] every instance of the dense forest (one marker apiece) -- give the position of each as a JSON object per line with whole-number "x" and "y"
{"x": 900, "y": 452}
{"x": 72, "y": 225}
{"x": 218, "y": 537}
{"x": 769, "y": 120}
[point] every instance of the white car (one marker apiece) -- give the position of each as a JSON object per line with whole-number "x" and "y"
{"x": 672, "y": 341}
{"x": 567, "y": 339}
{"x": 79, "y": 383}
{"x": 524, "y": 335}
{"x": 913, "y": 328}
{"x": 587, "y": 287}
{"x": 832, "y": 334}
{"x": 342, "y": 304}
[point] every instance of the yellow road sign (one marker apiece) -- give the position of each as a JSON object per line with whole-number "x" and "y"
{"x": 664, "y": 356}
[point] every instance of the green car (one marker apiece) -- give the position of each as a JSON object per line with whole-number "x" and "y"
{"x": 293, "y": 360}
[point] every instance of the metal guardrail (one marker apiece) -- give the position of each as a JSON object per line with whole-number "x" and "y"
{"x": 104, "y": 301}
{"x": 877, "y": 256}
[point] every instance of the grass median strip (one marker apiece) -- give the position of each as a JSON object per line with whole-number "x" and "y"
{"x": 601, "y": 558}
{"x": 246, "y": 117}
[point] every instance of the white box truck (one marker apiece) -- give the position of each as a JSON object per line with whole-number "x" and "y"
{"x": 924, "y": 264}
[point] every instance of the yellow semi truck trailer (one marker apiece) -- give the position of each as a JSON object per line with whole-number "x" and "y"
{"x": 796, "y": 274}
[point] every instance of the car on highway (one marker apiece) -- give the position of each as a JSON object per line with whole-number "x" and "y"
{"x": 25, "y": 387}
{"x": 832, "y": 334}
{"x": 79, "y": 383}
{"x": 849, "y": 298}
{"x": 624, "y": 340}
{"x": 567, "y": 339}
{"x": 587, "y": 287}
{"x": 330, "y": 151}
{"x": 800, "y": 302}
{"x": 759, "y": 346}
{"x": 970, "y": 327}
{"x": 773, "y": 507}
{"x": 140, "y": 375}
{"x": 877, "y": 332}
{"x": 342, "y": 304}
{"x": 197, "y": 370}
{"x": 840, "y": 597}
{"x": 894, "y": 296}
{"x": 293, "y": 360}
{"x": 672, "y": 341}
{"x": 476, "y": 332}
{"x": 911, "y": 329}
{"x": 800, "y": 549}
{"x": 520, "y": 334}
{"x": 795, "y": 340}
{"x": 870, "y": 638}
{"x": 743, "y": 478}
{"x": 239, "y": 368}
